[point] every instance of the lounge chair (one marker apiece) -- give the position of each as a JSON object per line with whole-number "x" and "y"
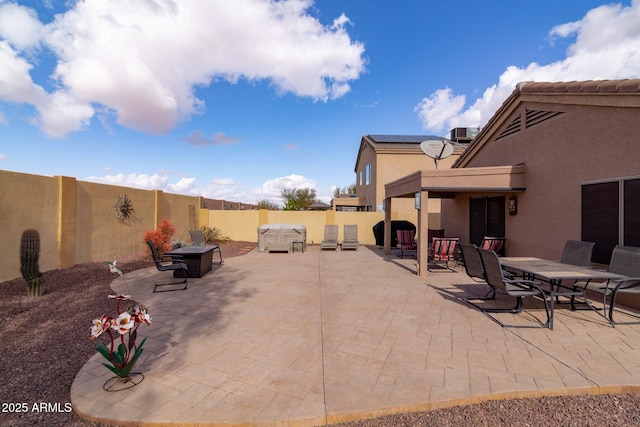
{"x": 406, "y": 241}
{"x": 625, "y": 260}
{"x": 169, "y": 263}
{"x": 198, "y": 239}
{"x": 330, "y": 240}
{"x": 443, "y": 250}
{"x": 350, "y": 238}
{"x": 517, "y": 288}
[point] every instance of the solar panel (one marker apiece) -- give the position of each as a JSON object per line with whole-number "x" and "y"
{"x": 407, "y": 139}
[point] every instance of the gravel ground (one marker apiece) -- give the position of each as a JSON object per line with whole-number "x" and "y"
{"x": 45, "y": 341}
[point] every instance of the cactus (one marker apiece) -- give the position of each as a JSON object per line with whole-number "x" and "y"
{"x": 29, "y": 254}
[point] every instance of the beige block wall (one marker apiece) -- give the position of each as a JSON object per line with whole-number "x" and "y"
{"x": 238, "y": 225}
{"x": 27, "y": 201}
{"x": 76, "y": 220}
{"x": 99, "y": 235}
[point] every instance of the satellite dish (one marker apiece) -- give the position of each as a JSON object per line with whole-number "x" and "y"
{"x": 437, "y": 149}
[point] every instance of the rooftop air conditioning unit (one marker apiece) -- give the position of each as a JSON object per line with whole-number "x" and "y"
{"x": 464, "y": 133}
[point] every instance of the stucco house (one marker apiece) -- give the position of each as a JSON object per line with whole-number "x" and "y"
{"x": 557, "y": 161}
{"x": 384, "y": 158}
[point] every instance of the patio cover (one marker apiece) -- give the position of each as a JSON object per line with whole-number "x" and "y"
{"x": 445, "y": 183}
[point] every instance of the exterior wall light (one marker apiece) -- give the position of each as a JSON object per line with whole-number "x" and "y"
{"x": 513, "y": 205}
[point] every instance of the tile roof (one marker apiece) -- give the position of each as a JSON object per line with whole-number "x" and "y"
{"x": 589, "y": 86}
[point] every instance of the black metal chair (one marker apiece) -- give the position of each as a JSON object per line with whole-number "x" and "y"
{"x": 198, "y": 239}
{"x": 577, "y": 253}
{"x": 473, "y": 268}
{"x": 625, "y": 260}
{"x": 169, "y": 263}
{"x": 517, "y": 288}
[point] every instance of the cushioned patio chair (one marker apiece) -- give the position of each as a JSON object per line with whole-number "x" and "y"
{"x": 330, "y": 240}
{"x": 517, "y": 288}
{"x": 406, "y": 241}
{"x": 443, "y": 250}
{"x": 577, "y": 253}
{"x": 350, "y": 238}
{"x": 198, "y": 239}
{"x": 169, "y": 263}
{"x": 625, "y": 260}
{"x": 495, "y": 244}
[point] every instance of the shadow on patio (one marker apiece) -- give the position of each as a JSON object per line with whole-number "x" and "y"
{"x": 325, "y": 336}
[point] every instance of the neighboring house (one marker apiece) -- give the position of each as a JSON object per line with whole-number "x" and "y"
{"x": 557, "y": 161}
{"x": 384, "y": 158}
{"x": 225, "y": 205}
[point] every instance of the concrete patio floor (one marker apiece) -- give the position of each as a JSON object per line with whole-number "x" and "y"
{"x": 321, "y": 337}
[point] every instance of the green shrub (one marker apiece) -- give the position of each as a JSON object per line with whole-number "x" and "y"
{"x": 214, "y": 235}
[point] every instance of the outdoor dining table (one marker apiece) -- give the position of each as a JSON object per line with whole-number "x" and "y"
{"x": 554, "y": 272}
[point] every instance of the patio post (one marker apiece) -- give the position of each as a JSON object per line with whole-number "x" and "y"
{"x": 387, "y": 225}
{"x": 423, "y": 234}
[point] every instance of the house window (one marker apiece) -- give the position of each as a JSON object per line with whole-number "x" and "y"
{"x": 367, "y": 173}
{"x": 360, "y": 177}
{"x": 609, "y": 215}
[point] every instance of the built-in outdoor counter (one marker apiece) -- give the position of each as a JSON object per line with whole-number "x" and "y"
{"x": 281, "y": 237}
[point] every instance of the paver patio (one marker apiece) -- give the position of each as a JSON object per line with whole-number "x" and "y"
{"x": 326, "y": 336}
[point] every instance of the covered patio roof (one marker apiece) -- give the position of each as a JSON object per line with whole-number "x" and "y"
{"x": 443, "y": 182}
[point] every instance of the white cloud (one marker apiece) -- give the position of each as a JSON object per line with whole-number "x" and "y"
{"x": 143, "y": 61}
{"x": 19, "y": 25}
{"x": 143, "y": 181}
{"x": 199, "y": 139}
{"x": 218, "y": 188}
{"x": 606, "y": 46}
{"x": 272, "y": 189}
{"x": 3, "y": 157}
{"x": 15, "y": 82}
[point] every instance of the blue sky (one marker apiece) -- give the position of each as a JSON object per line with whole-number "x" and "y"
{"x": 240, "y": 99}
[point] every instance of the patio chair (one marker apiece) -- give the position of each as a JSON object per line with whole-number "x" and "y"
{"x": 517, "y": 288}
{"x": 443, "y": 250}
{"x": 406, "y": 241}
{"x": 495, "y": 244}
{"x": 169, "y": 263}
{"x": 198, "y": 239}
{"x": 350, "y": 239}
{"x": 473, "y": 268}
{"x": 625, "y": 260}
{"x": 577, "y": 253}
{"x": 330, "y": 240}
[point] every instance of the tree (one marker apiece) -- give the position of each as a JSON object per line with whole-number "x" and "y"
{"x": 351, "y": 189}
{"x": 298, "y": 199}
{"x": 267, "y": 204}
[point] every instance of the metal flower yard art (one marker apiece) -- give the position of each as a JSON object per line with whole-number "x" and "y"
{"x": 123, "y": 332}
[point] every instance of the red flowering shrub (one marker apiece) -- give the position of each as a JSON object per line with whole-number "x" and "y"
{"x": 161, "y": 237}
